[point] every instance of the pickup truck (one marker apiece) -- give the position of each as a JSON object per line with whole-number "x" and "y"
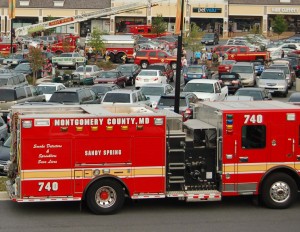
{"x": 243, "y": 53}
{"x": 68, "y": 59}
{"x": 207, "y": 89}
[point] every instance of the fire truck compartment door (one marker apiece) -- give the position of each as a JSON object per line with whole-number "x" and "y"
{"x": 46, "y": 167}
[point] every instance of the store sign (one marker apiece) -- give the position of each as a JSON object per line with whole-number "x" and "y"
{"x": 206, "y": 10}
{"x": 284, "y": 10}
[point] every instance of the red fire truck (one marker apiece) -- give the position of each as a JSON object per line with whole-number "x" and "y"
{"x": 102, "y": 154}
{"x": 144, "y": 30}
{"x": 67, "y": 43}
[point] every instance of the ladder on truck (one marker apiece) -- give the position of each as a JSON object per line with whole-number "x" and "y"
{"x": 85, "y": 16}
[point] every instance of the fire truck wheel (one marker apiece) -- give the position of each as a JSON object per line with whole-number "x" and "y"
{"x": 144, "y": 64}
{"x": 279, "y": 191}
{"x": 105, "y": 197}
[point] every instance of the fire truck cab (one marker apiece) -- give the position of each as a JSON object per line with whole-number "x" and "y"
{"x": 102, "y": 154}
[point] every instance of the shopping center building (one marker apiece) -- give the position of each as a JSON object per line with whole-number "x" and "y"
{"x": 209, "y": 15}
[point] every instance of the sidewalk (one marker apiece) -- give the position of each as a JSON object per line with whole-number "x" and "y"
{"x": 3, "y": 196}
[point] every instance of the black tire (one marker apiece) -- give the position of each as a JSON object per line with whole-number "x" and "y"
{"x": 131, "y": 82}
{"x": 119, "y": 59}
{"x": 144, "y": 64}
{"x": 111, "y": 57}
{"x": 279, "y": 191}
{"x": 105, "y": 197}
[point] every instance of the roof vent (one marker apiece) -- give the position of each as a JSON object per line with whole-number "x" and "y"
{"x": 24, "y": 2}
{"x": 59, "y": 3}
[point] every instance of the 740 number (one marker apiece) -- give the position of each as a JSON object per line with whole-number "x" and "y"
{"x": 253, "y": 118}
{"x": 48, "y": 186}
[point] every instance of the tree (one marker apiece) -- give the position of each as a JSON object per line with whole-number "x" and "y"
{"x": 36, "y": 61}
{"x": 159, "y": 26}
{"x": 50, "y": 30}
{"x": 192, "y": 40}
{"x": 96, "y": 41}
{"x": 279, "y": 24}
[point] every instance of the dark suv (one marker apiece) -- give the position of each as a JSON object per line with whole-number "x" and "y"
{"x": 75, "y": 96}
{"x": 210, "y": 38}
{"x": 11, "y": 95}
{"x": 165, "y": 68}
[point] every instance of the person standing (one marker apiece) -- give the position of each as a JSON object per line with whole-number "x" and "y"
{"x": 197, "y": 56}
{"x": 282, "y": 54}
{"x": 209, "y": 58}
{"x": 184, "y": 64}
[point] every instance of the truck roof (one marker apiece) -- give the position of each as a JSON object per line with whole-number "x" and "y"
{"x": 207, "y": 81}
{"x": 251, "y": 105}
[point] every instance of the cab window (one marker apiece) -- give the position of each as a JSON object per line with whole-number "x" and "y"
{"x": 253, "y": 136}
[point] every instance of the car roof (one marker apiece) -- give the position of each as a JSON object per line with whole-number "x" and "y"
{"x": 273, "y": 70}
{"x": 50, "y": 84}
{"x": 124, "y": 91}
{"x": 251, "y": 88}
{"x": 104, "y": 84}
{"x": 155, "y": 85}
{"x": 72, "y": 89}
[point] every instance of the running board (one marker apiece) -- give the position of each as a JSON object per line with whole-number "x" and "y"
{"x": 194, "y": 196}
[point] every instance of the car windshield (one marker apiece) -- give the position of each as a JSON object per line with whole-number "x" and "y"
{"x": 255, "y": 94}
{"x": 242, "y": 69}
{"x": 152, "y": 91}
{"x": 66, "y": 55}
{"x": 3, "y": 81}
{"x": 100, "y": 89}
{"x": 208, "y": 36}
{"x": 228, "y": 76}
{"x": 272, "y": 75}
{"x": 156, "y": 67}
{"x": 195, "y": 70}
{"x": 64, "y": 97}
{"x": 7, "y": 95}
{"x": 107, "y": 75}
{"x": 124, "y": 68}
{"x": 117, "y": 98}
{"x": 46, "y": 89}
{"x": 170, "y": 102}
{"x": 81, "y": 69}
{"x": 228, "y": 62}
{"x": 199, "y": 87}
{"x": 284, "y": 68}
{"x": 148, "y": 73}
{"x": 22, "y": 67}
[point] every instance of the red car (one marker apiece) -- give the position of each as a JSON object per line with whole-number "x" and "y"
{"x": 226, "y": 66}
{"x": 111, "y": 77}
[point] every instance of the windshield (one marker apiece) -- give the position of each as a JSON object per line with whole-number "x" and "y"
{"x": 272, "y": 75}
{"x": 64, "y": 97}
{"x": 124, "y": 68}
{"x": 255, "y": 94}
{"x": 46, "y": 89}
{"x": 284, "y": 68}
{"x": 167, "y": 102}
{"x": 195, "y": 70}
{"x": 242, "y": 69}
{"x": 22, "y": 67}
{"x": 199, "y": 87}
{"x": 3, "y": 81}
{"x": 107, "y": 75}
{"x": 81, "y": 69}
{"x": 148, "y": 73}
{"x": 7, "y": 95}
{"x": 100, "y": 89}
{"x": 156, "y": 67}
{"x": 117, "y": 98}
{"x": 153, "y": 91}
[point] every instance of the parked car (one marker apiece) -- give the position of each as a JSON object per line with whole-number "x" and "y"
{"x": 295, "y": 62}
{"x": 125, "y": 96}
{"x": 25, "y": 68}
{"x": 79, "y": 95}
{"x": 186, "y": 104}
{"x": 259, "y": 66}
{"x": 288, "y": 70}
{"x": 225, "y": 66}
{"x": 155, "y": 91}
{"x": 130, "y": 71}
{"x": 15, "y": 58}
{"x": 165, "y": 68}
{"x": 85, "y": 74}
{"x": 111, "y": 77}
{"x": 274, "y": 80}
{"x": 10, "y": 77}
{"x": 231, "y": 80}
{"x": 238, "y": 98}
{"x": 101, "y": 89}
{"x": 48, "y": 88}
{"x": 68, "y": 59}
{"x": 246, "y": 71}
{"x": 5, "y": 156}
{"x": 3, "y": 130}
{"x": 294, "y": 97}
{"x": 258, "y": 94}
{"x": 196, "y": 72}
{"x": 210, "y": 38}
{"x": 146, "y": 57}
{"x": 150, "y": 76}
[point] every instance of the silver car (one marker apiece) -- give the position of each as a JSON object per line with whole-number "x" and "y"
{"x": 82, "y": 73}
{"x": 273, "y": 80}
{"x": 246, "y": 71}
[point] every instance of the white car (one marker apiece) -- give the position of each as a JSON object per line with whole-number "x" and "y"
{"x": 294, "y": 46}
{"x": 86, "y": 72}
{"x": 150, "y": 76}
{"x": 48, "y": 88}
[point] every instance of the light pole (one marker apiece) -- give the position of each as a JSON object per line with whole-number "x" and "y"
{"x": 178, "y": 64}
